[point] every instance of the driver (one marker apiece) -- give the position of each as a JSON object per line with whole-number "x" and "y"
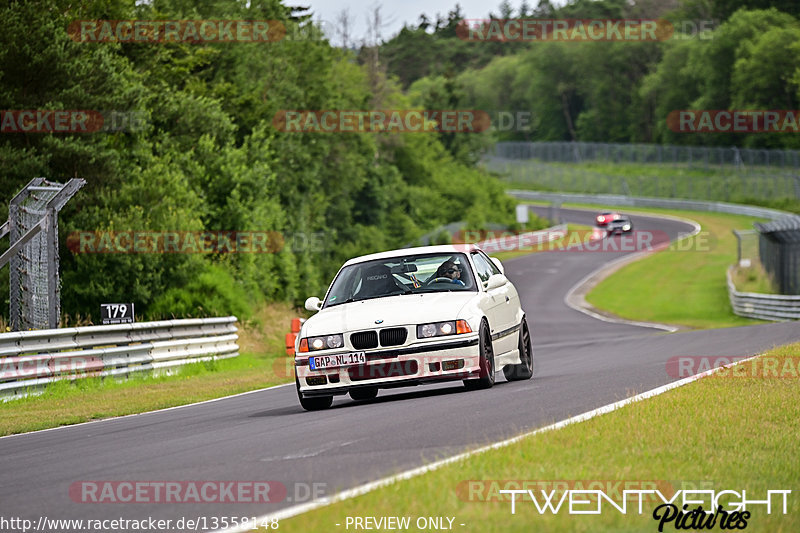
{"x": 449, "y": 269}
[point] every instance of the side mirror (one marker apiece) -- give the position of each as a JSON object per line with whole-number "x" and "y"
{"x": 313, "y": 304}
{"x": 499, "y": 265}
{"x": 495, "y": 281}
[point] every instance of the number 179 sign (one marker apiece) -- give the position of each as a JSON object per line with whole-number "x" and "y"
{"x": 116, "y": 313}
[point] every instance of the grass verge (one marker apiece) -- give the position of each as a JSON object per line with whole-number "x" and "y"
{"x": 719, "y": 433}
{"x": 261, "y": 363}
{"x": 753, "y": 279}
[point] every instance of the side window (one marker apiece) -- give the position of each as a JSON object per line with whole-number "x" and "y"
{"x": 491, "y": 264}
{"x": 482, "y": 266}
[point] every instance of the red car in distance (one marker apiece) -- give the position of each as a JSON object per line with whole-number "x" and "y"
{"x": 604, "y": 218}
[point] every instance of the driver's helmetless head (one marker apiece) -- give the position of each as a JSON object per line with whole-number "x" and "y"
{"x": 452, "y": 271}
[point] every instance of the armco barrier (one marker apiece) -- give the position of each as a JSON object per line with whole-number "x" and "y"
{"x": 764, "y": 306}
{"x": 638, "y": 201}
{"x": 30, "y": 360}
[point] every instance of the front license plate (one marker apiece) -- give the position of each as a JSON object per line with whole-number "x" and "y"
{"x": 330, "y": 361}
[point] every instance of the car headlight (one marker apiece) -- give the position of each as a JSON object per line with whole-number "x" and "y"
{"x": 325, "y": 342}
{"x": 626, "y": 227}
{"x": 436, "y": 329}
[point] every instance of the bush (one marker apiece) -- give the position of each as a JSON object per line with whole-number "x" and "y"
{"x": 213, "y": 293}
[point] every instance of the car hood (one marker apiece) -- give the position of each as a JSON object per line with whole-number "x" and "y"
{"x": 392, "y": 310}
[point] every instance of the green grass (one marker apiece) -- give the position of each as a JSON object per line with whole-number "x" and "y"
{"x": 717, "y": 433}
{"x": 262, "y": 363}
{"x": 753, "y": 279}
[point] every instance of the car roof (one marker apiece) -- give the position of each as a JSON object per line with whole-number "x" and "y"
{"x": 438, "y": 249}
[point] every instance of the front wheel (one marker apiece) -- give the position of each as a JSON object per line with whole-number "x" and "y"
{"x": 486, "y": 379}
{"x": 524, "y": 370}
{"x": 316, "y": 403}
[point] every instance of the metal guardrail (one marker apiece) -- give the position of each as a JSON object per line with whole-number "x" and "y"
{"x": 29, "y": 360}
{"x": 640, "y": 201}
{"x": 777, "y": 307}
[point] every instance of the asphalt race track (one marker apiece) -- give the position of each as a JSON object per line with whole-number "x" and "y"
{"x": 581, "y": 363}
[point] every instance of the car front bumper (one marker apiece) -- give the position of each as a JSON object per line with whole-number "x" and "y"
{"x": 422, "y": 362}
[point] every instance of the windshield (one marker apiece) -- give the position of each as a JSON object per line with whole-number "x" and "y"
{"x": 410, "y": 274}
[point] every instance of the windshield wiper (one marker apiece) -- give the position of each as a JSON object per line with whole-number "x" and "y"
{"x": 353, "y": 299}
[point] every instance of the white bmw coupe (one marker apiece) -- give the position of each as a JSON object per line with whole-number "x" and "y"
{"x": 408, "y": 317}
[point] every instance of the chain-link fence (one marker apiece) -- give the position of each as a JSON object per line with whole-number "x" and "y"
{"x": 696, "y": 157}
{"x": 32, "y": 256}
{"x": 746, "y": 247}
{"x": 692, "y": 172}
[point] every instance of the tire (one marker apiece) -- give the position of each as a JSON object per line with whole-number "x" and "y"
{"x": 364, "y": 393}
{"x": 486, "y": 379}
{"x": 524, "y": 370}
{"x": 316, "y": 403}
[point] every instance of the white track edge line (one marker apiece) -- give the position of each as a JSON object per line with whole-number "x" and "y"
{"x": 146, "y": 412}
{"x": 414, "y": 472}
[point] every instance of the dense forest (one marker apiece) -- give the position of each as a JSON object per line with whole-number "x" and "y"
{"x": 206, "y": 156}
{"x": 723, "y": 54}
